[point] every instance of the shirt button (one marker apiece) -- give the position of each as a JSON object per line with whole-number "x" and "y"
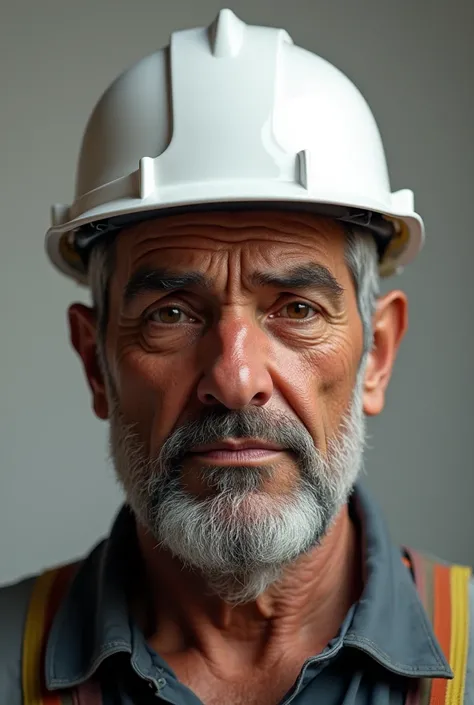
{"x": 161, "y": 682}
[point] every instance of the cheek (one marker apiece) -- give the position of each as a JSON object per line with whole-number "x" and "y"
{"x": 338, "y": 373}
{"x": 154, "y": 390}
{"x": 318, "y": 383}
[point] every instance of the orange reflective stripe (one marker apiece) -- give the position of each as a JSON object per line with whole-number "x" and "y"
{"x": 441, "y": 626}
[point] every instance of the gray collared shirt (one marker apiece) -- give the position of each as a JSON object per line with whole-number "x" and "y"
{"x": 384, "y": 643}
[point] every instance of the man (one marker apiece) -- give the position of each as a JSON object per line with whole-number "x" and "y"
{"x": 232, "y": 217}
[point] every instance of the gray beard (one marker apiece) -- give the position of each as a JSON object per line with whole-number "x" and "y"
{"x": 240, "y": 538}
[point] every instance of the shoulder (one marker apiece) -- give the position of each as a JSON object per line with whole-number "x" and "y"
{"x": 14, "y": 601}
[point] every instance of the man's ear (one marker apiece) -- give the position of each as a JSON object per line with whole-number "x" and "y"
{"x": 83, "y": 332}
{"x": 390, "y": 323}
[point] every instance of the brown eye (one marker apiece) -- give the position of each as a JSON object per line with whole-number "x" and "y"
{"x": 168, "y": 315}
{"x": 297, "y": 311}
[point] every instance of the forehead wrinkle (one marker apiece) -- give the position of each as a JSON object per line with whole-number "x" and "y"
{"x": 140, "y": 244}
{"x": 261, "y": 258}
{"x": 239, "y": 218}
{"x": 235, "y": 227}
{"x": 146, "y": 248}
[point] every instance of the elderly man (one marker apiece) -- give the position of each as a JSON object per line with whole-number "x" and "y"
{"x": 232, "y": 217}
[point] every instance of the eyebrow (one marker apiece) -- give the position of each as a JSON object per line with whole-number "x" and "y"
{"x": 305, "y": 276}
{"x": 147, "y": 280}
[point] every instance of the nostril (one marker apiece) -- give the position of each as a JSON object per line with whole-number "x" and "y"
{"x": 260, "y": 398}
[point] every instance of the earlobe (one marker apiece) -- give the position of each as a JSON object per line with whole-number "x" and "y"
{"x": 389, "y": 326}
{"x": 83, "y": 335}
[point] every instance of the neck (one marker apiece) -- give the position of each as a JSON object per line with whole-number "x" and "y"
{"x": 303, "y": 611}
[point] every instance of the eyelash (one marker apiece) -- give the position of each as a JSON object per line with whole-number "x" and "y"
{"x": 155, "y": 311}
{"x": 192, "y": 319}
{"x": 316, "y": 312}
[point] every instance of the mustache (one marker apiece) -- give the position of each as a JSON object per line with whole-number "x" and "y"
{"x": 218, "y": 425}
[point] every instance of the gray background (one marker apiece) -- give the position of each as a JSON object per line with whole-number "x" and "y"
{"x": 414, "y": 62}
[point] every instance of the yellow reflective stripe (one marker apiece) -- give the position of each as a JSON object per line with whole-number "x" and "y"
{"x": 33, "y": 638}
{"x": 460, "y": 576}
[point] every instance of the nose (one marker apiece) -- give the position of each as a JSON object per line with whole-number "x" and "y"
{"x": 235, "y": 370}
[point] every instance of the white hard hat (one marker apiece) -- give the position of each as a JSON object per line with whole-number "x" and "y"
{"x": 229, "y": 116}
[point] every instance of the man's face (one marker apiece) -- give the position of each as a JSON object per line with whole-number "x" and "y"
{"x": 233, "y": 349}
{"x": 233, "y": 336}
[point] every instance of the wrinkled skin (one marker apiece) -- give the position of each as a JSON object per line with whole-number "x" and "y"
{"x": 233, "y": 343}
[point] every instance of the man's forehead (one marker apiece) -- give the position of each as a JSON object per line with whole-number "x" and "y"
{"x": 183, "y": 239}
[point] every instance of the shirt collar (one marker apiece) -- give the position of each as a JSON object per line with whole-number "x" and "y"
{"x": 388, "y": 623}
{"x": 93, "y": 621}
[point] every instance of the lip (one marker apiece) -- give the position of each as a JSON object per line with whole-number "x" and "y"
{"x": 236, "y": 445}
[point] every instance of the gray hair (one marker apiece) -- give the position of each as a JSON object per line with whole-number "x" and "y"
{"x": 361, "y": 258}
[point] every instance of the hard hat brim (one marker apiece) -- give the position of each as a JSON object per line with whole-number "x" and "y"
{"x": 61, "y": 250}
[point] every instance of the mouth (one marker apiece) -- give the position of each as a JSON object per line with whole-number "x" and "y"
{"x": 237, "y": 452}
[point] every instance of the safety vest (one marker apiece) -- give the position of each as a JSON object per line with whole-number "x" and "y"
{"x": 443, "y": 589}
